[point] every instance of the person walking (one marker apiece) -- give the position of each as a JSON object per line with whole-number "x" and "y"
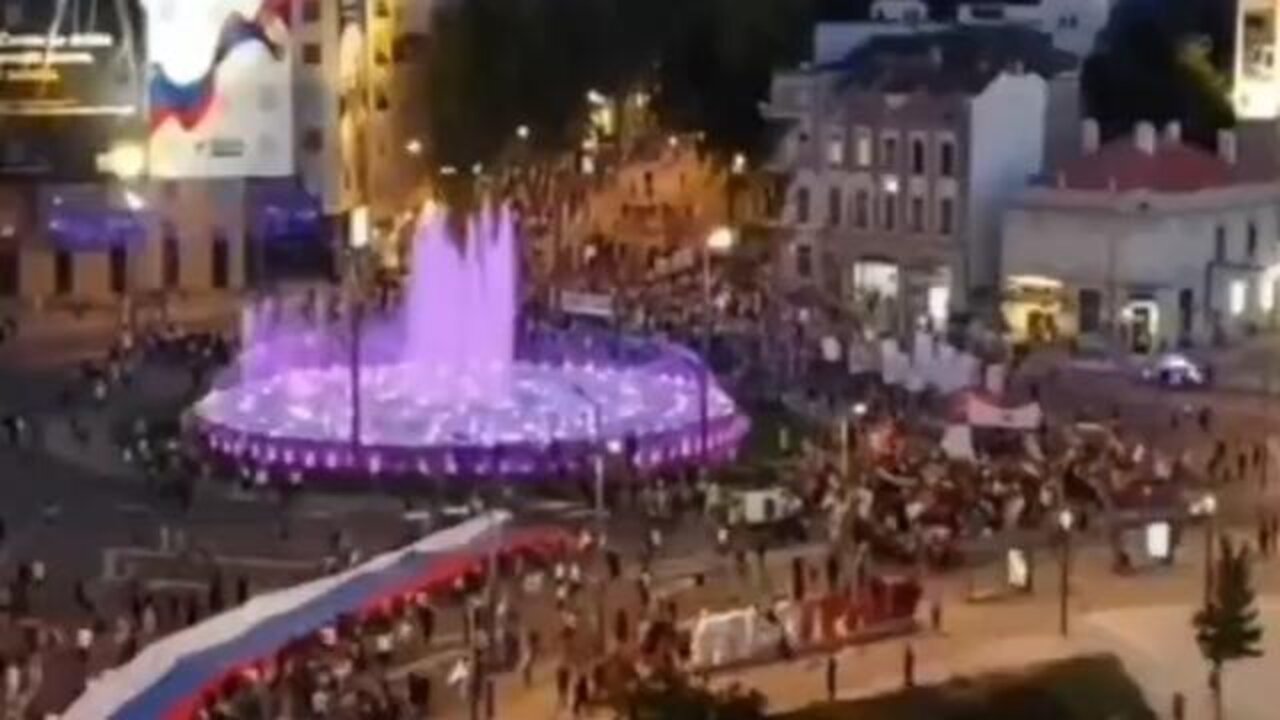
{"x": 581, "y": 694}
{"x": 562, "y": 686}
{"x": 832, "y": 672}
{"x": 908, "y": 666}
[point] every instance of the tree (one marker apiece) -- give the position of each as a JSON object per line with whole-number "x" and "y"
{"x": 1162, "y": 61}
{"x": 1227, "y": 628}
{"x": 494, "y": 65}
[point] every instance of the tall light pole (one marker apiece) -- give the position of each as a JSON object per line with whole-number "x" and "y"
{"x": 358, "y": 241}
{"x": 597, "y": 466}
{"x": 1065, "y": 522}
{"x": 720, "y": 240}
{"x": 1209, "y": 508}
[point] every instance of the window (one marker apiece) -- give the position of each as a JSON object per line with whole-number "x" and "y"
{"x": 9, "y": 273}
{"x": 1186, "y": 311}
{"x": 804, "y": 261}
{"x": 1090, "y": 302}
{"x": 916, "y": 214}
{"x": 64, "y": 280}
{"x": 221, "y": 264}
{"x": 1238, "y": 296}
{"x": 381, "y": 102}
{"x": 1220, "y": 243}
{"x": 835, "y": 151}
{"x": 170, "y": 260}
{"x": 404, "y": 48}
{"x": 834, "y": 200}
{"x": 13, "y": 13}
{"x": 889, "y": 220}
{"x": 311, "y": 53}
{"x": 947, "y": 159}
{"x": 312, "y": 140}
{"x": 889, "y": 151}
{"x": 917, "y": 156}
{"x": 311, "y": 11}
{"x": 863, "y": 147}
{"x": 119, "y": 270}
{"x": 802, "y": 204}
{"x": 1251, "y": 247}
{"x": 946, "y": 212}
{"x": 861, "y": 209}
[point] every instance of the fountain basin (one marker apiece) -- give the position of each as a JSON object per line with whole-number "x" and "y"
{"x": 546, "y": 423}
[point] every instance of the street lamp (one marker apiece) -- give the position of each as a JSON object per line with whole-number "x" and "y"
{"x": 597, "y": 438}
{"x": 413, "y": 147}
{"x": 522, "y": 132}
{"x": 358, "y": 240}
{"x": 1065, "y": 522}
{"x": 720, "y": 240}
{"x": 1209, "y": 508}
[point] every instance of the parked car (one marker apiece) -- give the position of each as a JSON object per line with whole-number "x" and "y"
{"x": 1175, "y": 370}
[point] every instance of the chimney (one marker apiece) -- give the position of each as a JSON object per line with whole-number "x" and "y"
{"x": 1144, "y": 137}
{"x": 1227, "y": 149}
{"x": 1090, "y": 136}
{"x": 1173, "y": 131}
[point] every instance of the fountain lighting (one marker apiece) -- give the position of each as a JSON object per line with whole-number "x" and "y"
{"x": 446, "y": 391}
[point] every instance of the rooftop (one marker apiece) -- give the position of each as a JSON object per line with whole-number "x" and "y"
{"x": 1171, "y": 167}
{"x": 959, "y": 59}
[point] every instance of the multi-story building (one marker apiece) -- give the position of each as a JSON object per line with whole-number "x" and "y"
{"x": 83, "y": 228}
{"x": 1146, "y": 240}
{"x": 900, "y": 163}
{"x": 360, "y": 96}
{"x": 1255, "y": 91}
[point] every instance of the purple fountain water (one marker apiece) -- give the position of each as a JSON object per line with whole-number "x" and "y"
{"x": 462, "y": 305}
{"x": 446, "y": 389}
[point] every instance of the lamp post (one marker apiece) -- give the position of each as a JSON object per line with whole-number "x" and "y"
{"x": 597, "y": 465}
{"x": 358, "y": 241}
{"x": 720, "y": 240}
{"x": 1209, "y": 508}
{"x": 1065, "y": 522}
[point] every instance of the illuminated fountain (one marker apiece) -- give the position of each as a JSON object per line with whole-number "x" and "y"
{"x": 450, "y": 387}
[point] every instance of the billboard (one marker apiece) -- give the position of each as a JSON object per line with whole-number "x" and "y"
{"x": 219, "y": 88}
{"x": 70, "y": 86}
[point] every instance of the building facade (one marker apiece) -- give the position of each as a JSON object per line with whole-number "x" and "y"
{"x": 897, "y": 174}
{"x": 78, "y": 233}
{"x": 1147, "y": 241}
{"x": 1255, "y": 86}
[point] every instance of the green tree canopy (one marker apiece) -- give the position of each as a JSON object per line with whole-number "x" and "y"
{"x": 494, "y": 65}
{"x": 1227, "y": 628}
{"x": 1162, "y": 60}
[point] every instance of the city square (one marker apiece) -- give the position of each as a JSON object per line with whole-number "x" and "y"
{"x": 603, "y": 358}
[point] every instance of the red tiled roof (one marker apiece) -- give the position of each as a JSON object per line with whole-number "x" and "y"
{"x": 1173, "y": 168}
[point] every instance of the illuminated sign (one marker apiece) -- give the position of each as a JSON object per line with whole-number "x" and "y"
{"x": 52, "y": 74}
{"x": 219, "y": 88}
{"x": 71, "y": 87}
